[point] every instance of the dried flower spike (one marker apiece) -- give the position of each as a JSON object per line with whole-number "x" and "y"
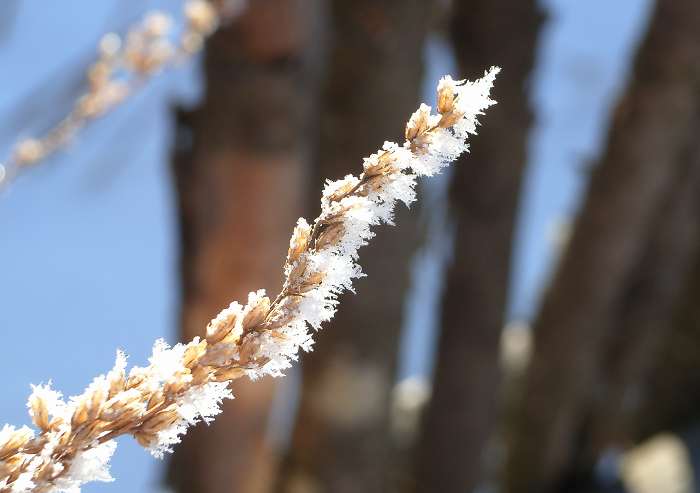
{"x": 185, "y": 384}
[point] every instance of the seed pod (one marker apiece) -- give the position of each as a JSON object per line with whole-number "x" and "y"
{"x": 194, "y": 351}
{"x": 145, "y": 439}
{"x": 299, "y": 242}
{"x": 226, "y": 374}
{"x": 39, "y": 412}
{"x": 80, "y": 415}
{"x": 160, "y": 421}
{"x": 255, "y": 314}
{"x": 17, "y": 440}
{"x": 418, "y": 123}
{"x": 96, "y": 402}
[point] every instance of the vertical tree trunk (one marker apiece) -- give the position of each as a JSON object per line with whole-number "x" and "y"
{"x": 651, "y": 127}
{"x": 341, "y": 441}
{"x": 672, "y": 394}
{"x": 461, "y": 414}
{"x": 646, "y": 316}
{"x": 242, "y": 185}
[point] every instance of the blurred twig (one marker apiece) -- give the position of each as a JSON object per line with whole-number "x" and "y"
{"x": 122, "y": 67}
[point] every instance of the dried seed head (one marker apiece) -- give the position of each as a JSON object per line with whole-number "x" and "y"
{"x": 201, "y": 16}
{"x": 157, "y": 24}
{"x": 311, "y": 280}
{"x": 200, "y": 375}
{"x": 116, "y": 384}
{"x": 101, "y": 99}
{"x": 194, "y": 351}
{"x": 421, "y": 143}
{"x": 447, "y": 94}
{"x": 224, "y": 323}
{"x": 5, "y": 471}
{"x": 80, "y": 415}
{"x": 122, "y": 412}
{"x": 191, "y": 42}
{"x": 145, "y": 439}
{"x": 35, "y": 445}
{"x": 39, "y": 412}
{"x": 226, "y": 374}
{"x": 135, "y": 380}
{"x": 179, "y": 383}
{"x": 449, "y": 119}
{"x": 143, "y": 55}
{"x": 330, "y": 235}
{"x": 28, "y": 151}
{"x": 46, "y": 472}
{"x": 156, "y": 399}
{"x": 18, "y": 439}
{"x": 256, "y": 311}
{"x": 11, "y": 469}
{"x": 342, "y": 191}
{"x": 96, "y": 401}
{"x": 283, "y": 313}
{"x": 99, "y": 75}
{"x": 160, "y": 421}
{"x": 418, "y": 123}
{"x": 155, "y": 57}
{"x": 249, "y": 348}
{"x": 110, "y": 44}
{"x": 299, "y": 241}
{"x": 297, "y": 270}
{"x": 113, "y": 93}
{"x": 337, "y": 190}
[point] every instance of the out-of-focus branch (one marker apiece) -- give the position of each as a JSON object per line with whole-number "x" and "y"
{"x": 123, "y": 66}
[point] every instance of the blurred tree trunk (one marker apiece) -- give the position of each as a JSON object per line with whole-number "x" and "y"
{"x": 242, "y": 175}
{"x": 626, "y": 408}
{"x": 341, "y": 441}
{"x": 461, "y": 415}
{"x": 651, "y": 127}
{"x": 672, "y": 396}
{"x": 646, "y": 315}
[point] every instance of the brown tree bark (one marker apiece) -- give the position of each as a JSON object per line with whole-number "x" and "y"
{"x": 646, "y": 314}
{"x": 625, "y": 408}
{"x": 651, "y": 127}
{"x": 460, "y": 416}
{"x": 671, "y": 395}
{"x": 242, "y": 183}
{"x": 670, "y": 392}
{"x": 341, "y": 440}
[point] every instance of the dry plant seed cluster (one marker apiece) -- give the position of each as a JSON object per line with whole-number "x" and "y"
{"x": 186, "y": 383}
{"x": 121, "y": 68}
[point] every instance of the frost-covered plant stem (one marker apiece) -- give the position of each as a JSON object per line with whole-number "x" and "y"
{"x": 186, "y": 383}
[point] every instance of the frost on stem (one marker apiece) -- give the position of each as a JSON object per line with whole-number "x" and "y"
{"x": 186, "y": 383}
